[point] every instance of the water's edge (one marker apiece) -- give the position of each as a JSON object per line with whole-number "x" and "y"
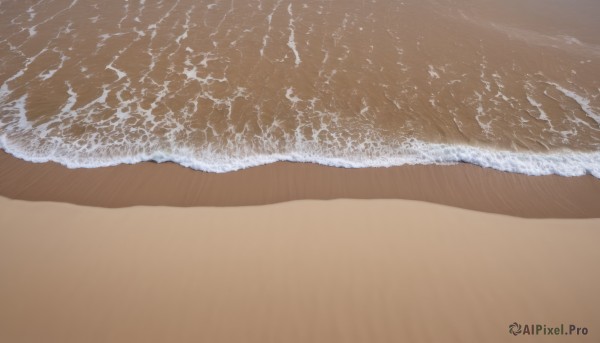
{"x": 564, "y": 162}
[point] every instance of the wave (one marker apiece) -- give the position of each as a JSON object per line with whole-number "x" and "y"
{"x": 411, "y": 152}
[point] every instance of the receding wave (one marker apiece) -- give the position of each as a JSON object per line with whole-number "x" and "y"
{"x": 221, "y": 86}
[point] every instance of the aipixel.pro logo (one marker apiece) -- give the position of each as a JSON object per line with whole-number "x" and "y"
{"x": 516, "y": 329}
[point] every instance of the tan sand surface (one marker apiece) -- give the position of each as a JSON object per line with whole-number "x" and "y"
{"x": 303, "y": 271}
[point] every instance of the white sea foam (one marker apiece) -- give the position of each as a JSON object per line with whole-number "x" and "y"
{"x": 265, "y": 39}
{"x": 486, "y": 127}
{"x": 433, "y": 73}
{"x": 120, "y": 74}
{"x": 289, "y": 94}
{"x": 18, "y": 110}
{"x": 292, "y": 38}
{"x": 542, "y": 114}
{"x": 49, "y": 73}
{"x": 584, "y": 103}
{"x": 25, "y": 140}
{"x": 411, "y": 152}
{"x": 31, "y": 12}
{"x": 35, "y": 143}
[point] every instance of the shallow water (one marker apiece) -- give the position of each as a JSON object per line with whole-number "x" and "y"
{"x": 224, "y": 85}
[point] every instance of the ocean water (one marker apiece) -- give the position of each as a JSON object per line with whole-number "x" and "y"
{"x": 224, "y": 85}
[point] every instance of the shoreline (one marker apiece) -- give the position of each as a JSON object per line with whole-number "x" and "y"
{"x": 168, "y": 184}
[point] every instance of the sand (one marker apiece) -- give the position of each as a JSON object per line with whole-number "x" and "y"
{"x": 303, "y": 271}
{"x": 168, "y": 184}
{"x": 200, "y": 262}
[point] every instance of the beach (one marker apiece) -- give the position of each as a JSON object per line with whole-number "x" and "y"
{"x": 282, "y": 171}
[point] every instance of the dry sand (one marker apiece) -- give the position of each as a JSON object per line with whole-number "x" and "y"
{"x": 304, "y": 271}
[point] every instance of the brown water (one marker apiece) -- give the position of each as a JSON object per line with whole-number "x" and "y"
{"x": 220, "y": 86}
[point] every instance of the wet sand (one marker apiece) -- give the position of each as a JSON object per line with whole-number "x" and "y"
{"x": 306, "y": 271}
{"x": 169, "y": 184}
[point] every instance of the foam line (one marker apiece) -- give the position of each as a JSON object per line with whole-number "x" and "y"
{"x": 292, "y": 38}
{"x": 584, "y": 103}
{"x": 412, "y": 152}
